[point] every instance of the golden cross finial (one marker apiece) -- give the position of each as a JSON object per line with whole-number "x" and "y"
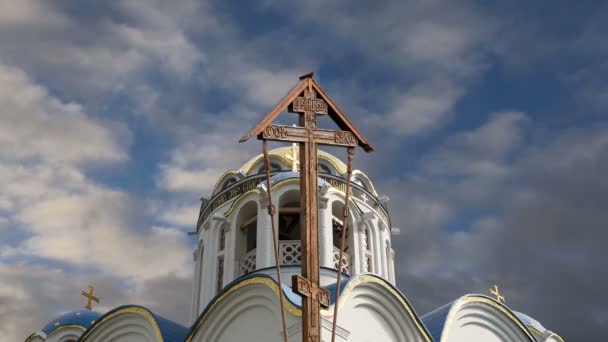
{"x": 89, "y": 295}
{"x": 295, "y": 158}
{"x": 499, "y": 297}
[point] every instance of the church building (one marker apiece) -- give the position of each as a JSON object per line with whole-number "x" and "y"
{"x": 236, "y": 293}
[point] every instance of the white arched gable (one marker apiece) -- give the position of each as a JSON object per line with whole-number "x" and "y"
{"x": 250, "y": 308}
{"x": 361, "y": 179}
{"x": 36, "y": 337}
{"x": 372, "y": 310}
{"x": 479, "y": 318}
{"x": 130, "y": 324}
{"x": 65, "y": 334}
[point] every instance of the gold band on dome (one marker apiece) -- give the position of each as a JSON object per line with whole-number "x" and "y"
{"x": 240, "y": 199}
{"x": 489, "y": 301}
{"x": 294, "y": 310}
{"x": 67, "y": 326}
{"x": 134, "y": 310}
{"x": 221, "y": 180}
{"x": 279, "y": 153}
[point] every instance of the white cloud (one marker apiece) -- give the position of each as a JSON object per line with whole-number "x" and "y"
{"x": 38, "y": 125}
{"x": 66, "y": 216}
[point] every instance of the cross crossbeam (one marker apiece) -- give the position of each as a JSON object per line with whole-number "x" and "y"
{"x": 302, "y": 135}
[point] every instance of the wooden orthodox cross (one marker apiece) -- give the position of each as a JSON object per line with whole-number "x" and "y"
{"x": 302, "y": 99}
{"x": 90, "y": 297}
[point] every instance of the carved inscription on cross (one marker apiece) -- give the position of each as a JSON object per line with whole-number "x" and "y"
{"x": 90, "y": 297}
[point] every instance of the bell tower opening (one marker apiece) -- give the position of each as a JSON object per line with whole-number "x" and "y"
{"x": 290, "y": 248}
{"x": 246, "y": 237}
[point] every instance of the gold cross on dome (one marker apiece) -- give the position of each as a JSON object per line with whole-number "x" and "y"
{"x": 90, "y": 297}
{"x": 496, "y": 292}
{"x": 295, "y": 158}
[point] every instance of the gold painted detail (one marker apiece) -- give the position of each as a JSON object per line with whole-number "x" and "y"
{"x": 90, "y": 297}
{"x": 222, "y": 179}
{"x": 488, "y": 301}
{"x": 128, "y": 310}
{"x": 499, "y": 298}
{"x": 532, "y": 329}
{"x": 67, "y": 326}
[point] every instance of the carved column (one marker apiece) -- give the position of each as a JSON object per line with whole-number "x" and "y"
{"x": 326, "y": 244}
{"x": 264, "y": 248}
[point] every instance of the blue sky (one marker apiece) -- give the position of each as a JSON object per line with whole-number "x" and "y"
{"x": 489, "y": 123}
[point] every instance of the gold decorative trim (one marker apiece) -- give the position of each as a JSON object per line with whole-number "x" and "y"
{"x": 556, "y": 335}
{"x": 488, "y": 301}
{"x": 285, "y": 161}
{"x": 339, "y": 168}
{"x": 532, "y": 329}
{"x": 221, "y": 179}
{"x": 238, "y": 200}
{"x": 254, "y": 162}
{"x": 66, "y": 327}
{"x": 255, "y": 280}
{"x": 134, "y": 310}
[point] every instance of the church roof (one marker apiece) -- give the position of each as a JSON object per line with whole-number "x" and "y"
{"x": 83, "y": 319}
{"x": 169, "y": 330}
{"x": 533, "y": 325}
{"x": 435, "y": 320}
{"x": 294, "y": 301}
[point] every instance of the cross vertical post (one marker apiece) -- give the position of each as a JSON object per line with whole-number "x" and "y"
{"x": 309, "y": 224}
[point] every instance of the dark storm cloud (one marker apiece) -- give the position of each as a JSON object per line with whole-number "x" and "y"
{"x": 543, "y": 240}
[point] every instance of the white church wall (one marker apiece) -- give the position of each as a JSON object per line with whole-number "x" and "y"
{"x": 371, "y": 312}
{"x": 65, "y": 334}
{"x": 475, "y": 318}
{"x": 126, "y": 327}
{"x": 251, "y": 312}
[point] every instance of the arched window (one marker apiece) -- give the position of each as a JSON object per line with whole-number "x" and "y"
{"x": 220, "y": 260}
{"x": 368, "y": 264}
{"x": 290, "y": 248}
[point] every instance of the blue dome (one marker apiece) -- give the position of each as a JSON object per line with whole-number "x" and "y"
{"x": 532, "y": 324}
{"x": 82, "y": 318}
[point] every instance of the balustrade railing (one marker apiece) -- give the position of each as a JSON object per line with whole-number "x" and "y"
{"x": 247, "y": 262}
{"x": 345, "y": 260}
{"x": 290, "y": 253}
